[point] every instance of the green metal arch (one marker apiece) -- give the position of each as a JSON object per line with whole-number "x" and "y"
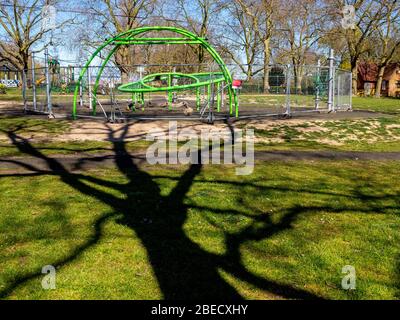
{"x": 128, "y": 38}
{"x": 146, "y": 88}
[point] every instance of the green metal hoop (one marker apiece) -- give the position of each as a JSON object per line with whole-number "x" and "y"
{"x": 130, "y": 38}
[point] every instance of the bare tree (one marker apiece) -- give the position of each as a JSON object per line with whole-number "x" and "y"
{"x": 387, "y": 40}
{"x": 21, "y": 29}
{"x": 110, "y": 18}
{"x": 261, "y": 13}
{"x": 198, "y": 16}
{"x": 240, "y": 41}
{"x": 368, "y": 16}
{"x": 301, "y": 27}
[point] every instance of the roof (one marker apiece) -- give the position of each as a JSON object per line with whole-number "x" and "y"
{"x": 368, "y": 72}
{"x": 5, "y": 66}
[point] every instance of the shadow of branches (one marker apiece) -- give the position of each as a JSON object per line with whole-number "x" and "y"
{"x": 183, "y": 269}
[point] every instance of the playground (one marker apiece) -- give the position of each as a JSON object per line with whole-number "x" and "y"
{"x": 79, "y": 194}
{"x": 203, "y": 92}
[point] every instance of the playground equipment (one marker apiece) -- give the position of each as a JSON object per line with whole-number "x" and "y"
{"x": 40, "y": 81}
{"x": 54, "y": 65}
{"x": 169, "y": 82}
{"x": 210, "y": 80}
{"x": 181, "y": 91}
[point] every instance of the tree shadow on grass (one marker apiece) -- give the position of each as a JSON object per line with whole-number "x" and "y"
{"x": 183, "y": 269}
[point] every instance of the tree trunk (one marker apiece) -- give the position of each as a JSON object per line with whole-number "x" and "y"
{"x": 298, "y": 84}
{"x": 124, "y": 60}
{"x": 354, "y": 72}
{"x": 378, "y": 88}
{"x": 25, "y": 63}
{"x": 297, "y": 78}
{"x": 200, "y": 59}
{"x": 249, "y": 73}
{"x": 124, "y": 76}
{"x": 267, "y": 55}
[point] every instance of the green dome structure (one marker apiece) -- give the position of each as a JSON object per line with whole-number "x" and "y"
{"x": 196, "y": 80}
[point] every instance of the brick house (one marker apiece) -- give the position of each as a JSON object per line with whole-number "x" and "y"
{"x": 368, "y": 76}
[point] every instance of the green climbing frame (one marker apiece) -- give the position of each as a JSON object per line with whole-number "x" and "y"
{"x": 197, "y": 80}
{"x": 131, "y": 37}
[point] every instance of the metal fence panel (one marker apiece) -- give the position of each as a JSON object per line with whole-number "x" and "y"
{"x": 289, "y": 90}
{"x": 343, "y": 90}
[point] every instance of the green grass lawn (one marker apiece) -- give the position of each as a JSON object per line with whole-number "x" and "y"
{"x": 12, "y": 94}
{"x": 26, "y": 125}
{"x": 380, "y": 134}
{"x": 164, "y": 232}
{"x": 384, "y": 105}
{"x": 388, "y": 105}
{"x": 48, "y": 130}
{"x": 176, "y": 232}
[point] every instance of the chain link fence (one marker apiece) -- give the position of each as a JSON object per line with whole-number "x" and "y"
{"x": 273, "y": 91}
{"x": 343, "y": 95}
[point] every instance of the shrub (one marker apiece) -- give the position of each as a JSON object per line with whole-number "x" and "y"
{"x": 3, "y": 88}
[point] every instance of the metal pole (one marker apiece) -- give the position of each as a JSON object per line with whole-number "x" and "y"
{"x": 90, "y": 89}
{"x": 80, "y": 95}
{"x": 338, "y": 90}
{"x": 211, "y": 88}
{"x": 288, "y": 82}
{"x": 174, "y": 83}
{"x": 223, "y": 95}
{"x": 112, "y": 113}
{"x": 48, "y": 91}
{"x": 351, "y": 92}
{"x": 24, "y": 89}
{"x": 219, "y": 96}
{"x": 331, "y": 90}
{"x": 318, "y": 84}
{"x": 198, "y": 98}
{"x": 236, "y": 97}
{"x": 140, "y": 72}
{"x": 170, "y": 98}
{"x": 34, "y": 83}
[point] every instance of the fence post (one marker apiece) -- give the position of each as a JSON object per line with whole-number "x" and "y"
{"x": 81, "y": 94}
{"x": 90, "y": 89}
{"x": 211, "y": 105}
{"x": 219, "y": 96}
{"x": 288, "y": 82}
{"x": 223, "y": 95}
{"x": 198, "y": 99}
{"x": 34, "y": 83}
{"x": 318, "y": 84}
{"x": 24, "y": 89}
{"x": 331, "y": 84}
{"x": 351, "y": 92}
{"x": 339, "y": 83}
{"x": 48, "y": 91}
